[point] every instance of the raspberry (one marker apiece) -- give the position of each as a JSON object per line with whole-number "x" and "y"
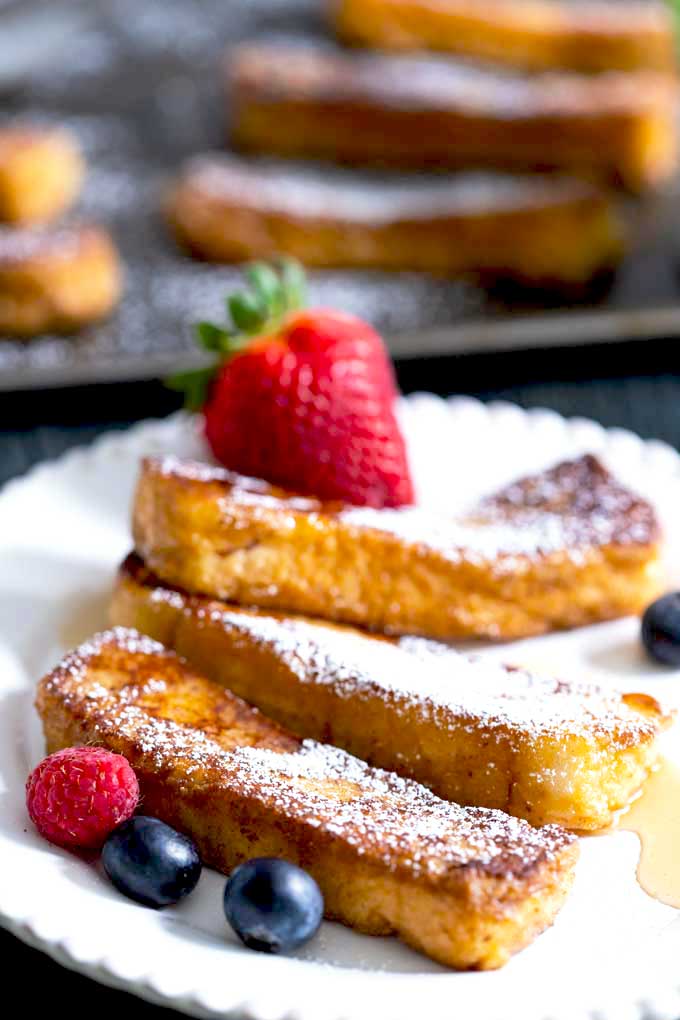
{"x": 77, "y": 796}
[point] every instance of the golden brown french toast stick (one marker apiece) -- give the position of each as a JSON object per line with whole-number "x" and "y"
{"x": 41, "y": 172}
{"x": 592, "y": 35}
{"x": 564, "y": 548}
{"x": 541, "y": 232}
{"x": 466, "y": 886}
{"x": 299, "y": 100}
{"x": 56, "y": 279}
{"x": 473, "y": 731}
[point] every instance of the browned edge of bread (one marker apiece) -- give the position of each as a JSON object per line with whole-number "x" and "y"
{"x": 533, "y": 34}
{"x": 559, "y": 549}
{"x": 466, "y": 886}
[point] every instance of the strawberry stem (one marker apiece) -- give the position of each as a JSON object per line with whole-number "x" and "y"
{"x": 274, "y": 292}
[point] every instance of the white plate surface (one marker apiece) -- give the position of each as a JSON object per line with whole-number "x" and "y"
{"x": 613, "y": 952}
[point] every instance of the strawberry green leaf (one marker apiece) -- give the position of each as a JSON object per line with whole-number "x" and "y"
{"x": 294, "y": 284}
{"x": 675, "y": 8}
{"x": 248, "y": 312}
{"x": 268, "y": 287}
{"x": 273, "y": 292}
{"x": 194, "y": 385}
{"x": 210, "y": 336}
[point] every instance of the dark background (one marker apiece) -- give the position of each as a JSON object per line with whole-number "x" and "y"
{"x": 631, "y": 385}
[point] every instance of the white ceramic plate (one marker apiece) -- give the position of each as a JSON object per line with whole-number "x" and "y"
{"x": 613, "y": 951}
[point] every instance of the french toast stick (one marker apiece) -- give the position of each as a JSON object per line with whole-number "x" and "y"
{"x": 56, "y": 279}
{"x": 466, "y": 886}
{"x": 590, "y": 35}
{"x": 298, "y": 100}
{"x": 473, "y": 731}
{"x": 540, "y": 232}
{"x": 41, "y": 172}
{"x": 567, "y": 547}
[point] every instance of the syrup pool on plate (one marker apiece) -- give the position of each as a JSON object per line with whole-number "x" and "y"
{"x": 655, "y": 818}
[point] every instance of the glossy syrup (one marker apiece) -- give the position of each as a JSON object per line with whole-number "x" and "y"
{"x": 655, "y": 818}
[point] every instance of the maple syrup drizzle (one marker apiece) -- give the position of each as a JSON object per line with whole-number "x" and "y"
{"x": 655, "y": 818}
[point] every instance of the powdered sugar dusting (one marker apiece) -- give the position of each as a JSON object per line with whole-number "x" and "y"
{"x": 64, "y": 242}
{"x": 171, "y": 466}
{"x": 575, "y": 506}
{"x": 282, "y": 71}
{"x": 467, "y": 541}
{"x": 370, "y": 197}
{"x": 475, "y": 693}
{"x": 18, "y": 134}
{"x": 379, "y": 815}
{"x": 243, "y": 487}
{"x": 124, "y": 638}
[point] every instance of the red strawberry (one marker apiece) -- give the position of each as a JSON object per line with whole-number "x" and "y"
{"x": 303, "y": 399}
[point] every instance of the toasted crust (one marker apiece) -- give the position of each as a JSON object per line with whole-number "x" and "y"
{"x": 567, "y": 547}
{"x": 425, "y": 112}
{"x": 474, "y": 732}
{"x": 594, "y": 35}
{"x": 552, "y": 232}
{"x": 41, "y": 172}
{"x": 464, "y": 885}
{"x": 56, "y": 279}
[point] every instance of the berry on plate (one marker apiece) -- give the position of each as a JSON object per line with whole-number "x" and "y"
{"x": 272, "y": 905}
{"x": 77, "y": 796}
{"x": 661, "y": 629}
{"x": 302, "y": 398}
{"x": 150, "y": 862}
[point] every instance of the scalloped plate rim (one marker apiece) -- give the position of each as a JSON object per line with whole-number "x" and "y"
{"x": 650, "y": 1001}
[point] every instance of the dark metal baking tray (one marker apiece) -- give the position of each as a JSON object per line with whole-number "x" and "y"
{"x": 138, "y": 82}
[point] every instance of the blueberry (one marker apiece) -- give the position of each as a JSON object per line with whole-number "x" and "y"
{"x": 273, "y": 906}
{"x": 661, "y": 629}
{"x": 150, "y": 862}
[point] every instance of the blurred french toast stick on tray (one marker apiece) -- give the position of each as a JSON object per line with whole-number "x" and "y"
{"x": 466, "y": 886}
{"x": 302, "y": 100}
{"x": 543, "y": 232}
{"x": 41, "y": 172}
{"x": 563, "y": 548}
{"x": 56, "y": 278}
{"x": 474, "y": 731}
{"x": 584, "y": 35}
